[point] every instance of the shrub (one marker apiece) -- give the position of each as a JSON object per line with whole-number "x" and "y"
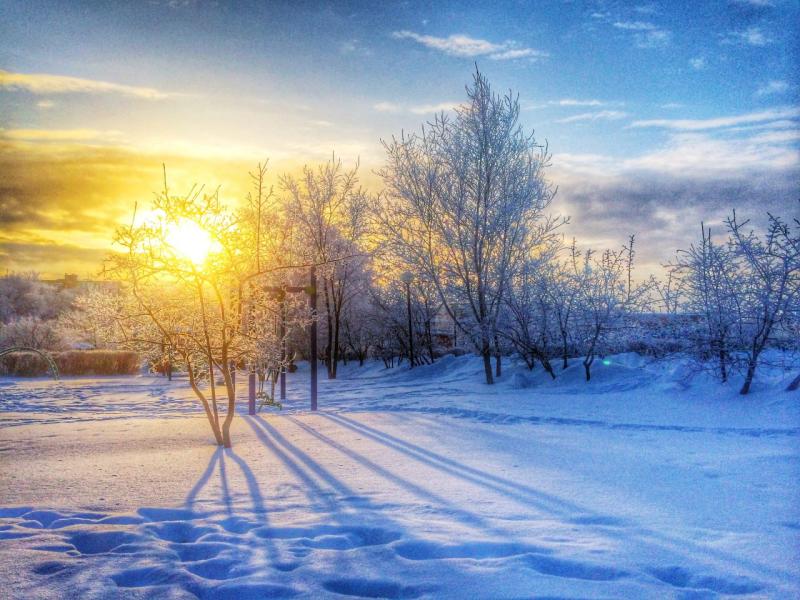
{"x": 72, "y": 362}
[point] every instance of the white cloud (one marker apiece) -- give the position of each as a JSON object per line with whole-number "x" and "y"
{"x": 760, "y": 3}
{"x": 43, "y": 83}
{"x": 426, "y": 109}
{"x": 568, "y": 102}
{"x": 604, "y": 115}
{"x": 574, "y": 102}
{"x": 420, "y": 109}
{"x": 354, "y": 46}
{"x": 646, "y": 34}
{"x": 698, "y": 63}
{"x": 59, "y": 135}
{"x": 635, "y": 25}
{"x": 720, "y": 122}
{"x": 752, "y": 36}
{"x": 702, "y": 154}
{"x": 387, "y": 107}
{"x": 465, "y": 46}
{"x": 772, "y": 87}
{"x": 45, "y": 104}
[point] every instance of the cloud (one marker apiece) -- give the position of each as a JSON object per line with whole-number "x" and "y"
{"x": 645, "y": 34}
{"x": 59, "y": 135}
{"x": 573, "y": 102}
{"x": 602, "y": 115}
{"x": 663, "y": 194}
{"x": 757, "y": 3}
{"x": 568, "y": 102}
{"x": 752, "y": 36}
{"x": 387, "y": 107}
{"x": 354, "y": 46}
{"x": 464, "y": 46}
{"x": 772, "y": 87}
{"x": 45, "y": 104}
{"x": 42, "y": 83}
{"x": 635, "y": 25}
{"x": 719, "y": 122}
{"x": 420, "y": 109}
{"x": 698, "y": 63}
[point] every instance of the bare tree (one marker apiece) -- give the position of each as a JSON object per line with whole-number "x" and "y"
{"x": 329, "y": 208}
{"x": 464, "y": 207}
{"x": 608, "y": 296}
{"x": 708, "y": 278}
{"x": 769, "y": 288}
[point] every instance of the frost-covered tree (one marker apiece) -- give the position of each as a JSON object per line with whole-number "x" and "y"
{"x": 768, "y": 289}
{"x": 709, "y": 281}
{"x": 190, "y": 301}
{"x": 608, "y": 295}
{"x": 532, "y": 312}
{"x": 329, "y": 211}
{"x": 23, "y": 295}
{"x": 464, "y": 206}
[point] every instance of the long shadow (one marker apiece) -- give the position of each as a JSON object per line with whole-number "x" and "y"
{"x": 518, "y": 491}
{"x": 347, "y": 493}
{"x": 283, "y": 448}
{"x": 464, "y": 516}
{"x": 190, "y": 500}
{"x": 223, "y": 479}
{"x": 316, "y": 495}
{"x": 257, "y": 500}
{"x": 452, "y": 467}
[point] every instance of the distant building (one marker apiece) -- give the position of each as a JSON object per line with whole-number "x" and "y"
{"x": 71, "y": 282}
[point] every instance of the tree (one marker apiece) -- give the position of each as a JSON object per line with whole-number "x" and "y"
{"x": 464, "y": 207}
{"x": 608, "y": 296}
{"x": 186, "y": 299}
{"x": 709, "y": 283}
{"x": 769, "y": 287}
{"x": 329, "y": 209}
{"x": 532, "y": 311}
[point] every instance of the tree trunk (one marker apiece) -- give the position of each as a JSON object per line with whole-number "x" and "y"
{"x": 748, "y": 379}
{"x": 487, "y": 363}
{"x": 587, "y": 367}
{"x": 497, "y": 358}
{"x": 329, "y": 347}
{"x": 226, "y": 424}
{"x": 209, "y": 415}
{"x": 335, "y": 357}
{"x": 794, "y": 385}
{"x": 548, "y": 367}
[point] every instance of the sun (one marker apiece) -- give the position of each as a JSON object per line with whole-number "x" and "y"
{"x": 189, "y": 241}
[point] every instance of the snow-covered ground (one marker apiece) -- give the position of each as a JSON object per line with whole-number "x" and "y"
{"x": 425, "y": 483}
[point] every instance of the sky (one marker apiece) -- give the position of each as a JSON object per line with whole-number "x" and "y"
{"x": 658, "y": 115}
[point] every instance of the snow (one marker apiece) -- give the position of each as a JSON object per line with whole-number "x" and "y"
{"x": 643, "y": 483}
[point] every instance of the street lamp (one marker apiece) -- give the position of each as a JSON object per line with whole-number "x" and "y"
{"x": 407, "y": 278}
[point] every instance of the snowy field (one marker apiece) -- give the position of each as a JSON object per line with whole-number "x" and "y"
{"x": 424, "y": 484}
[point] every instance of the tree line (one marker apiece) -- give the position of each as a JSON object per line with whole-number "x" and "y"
{"x": 458, "y": 251}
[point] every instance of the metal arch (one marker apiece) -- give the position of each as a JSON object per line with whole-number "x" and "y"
{"x": 49, "y": 359}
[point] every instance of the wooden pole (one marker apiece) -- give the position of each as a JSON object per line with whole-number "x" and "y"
{"x": 251, "y": 393}
{"x": 312, "y": 303}
{"x": 283, "y": 348}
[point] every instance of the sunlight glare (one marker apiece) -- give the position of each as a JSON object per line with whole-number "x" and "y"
{"x": 190, "y": 241}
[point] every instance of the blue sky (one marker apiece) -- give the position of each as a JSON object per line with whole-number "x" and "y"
{"x": 657, "y": 113}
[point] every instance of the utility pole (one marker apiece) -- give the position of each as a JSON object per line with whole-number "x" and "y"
{"x": 312, "y": 304}
{"x": 283, "y": 347}
{"x": 407, "y": 277}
